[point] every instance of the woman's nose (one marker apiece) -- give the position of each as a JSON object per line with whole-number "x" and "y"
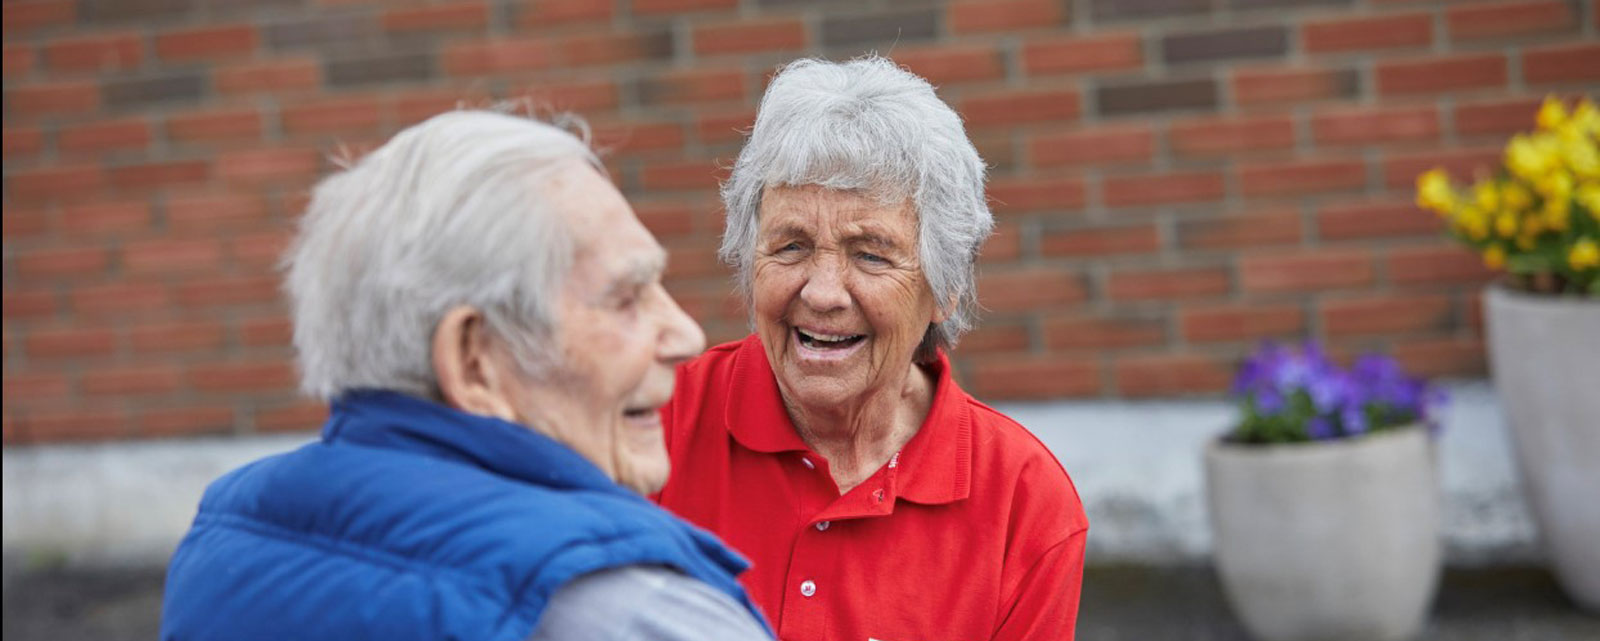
{"x": 825, "y": 289}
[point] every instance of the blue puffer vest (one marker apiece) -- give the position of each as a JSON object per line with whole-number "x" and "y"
{"x": 411, "y": 520}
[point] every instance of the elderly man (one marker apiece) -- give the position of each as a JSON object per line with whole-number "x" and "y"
{"x": 876, "y": 498}
{"x": 486, "y": 315}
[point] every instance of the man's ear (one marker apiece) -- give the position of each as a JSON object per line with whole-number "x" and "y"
{"x": 471, "y": 372}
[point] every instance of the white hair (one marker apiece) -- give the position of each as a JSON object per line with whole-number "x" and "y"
{"x": 448, "y": 212}
{"x": 869, "y": 126}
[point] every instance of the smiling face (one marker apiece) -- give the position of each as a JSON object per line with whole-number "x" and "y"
{"x": 619, "y": 334}
{"x": 838, "y": 292}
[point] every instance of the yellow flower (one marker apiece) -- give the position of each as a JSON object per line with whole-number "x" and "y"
{"x": 1486, "y": 195}
{"x": 1434, "y": 192}
{"x": 1589, "y": 196}
{"x": 1552, "y": 113}
{"x": 1494, "y": 256}
{"x": 1473, "y": 222}
{"x": 1505, "y": 224}
{"x": 1516, "y": 196}
{"x": 1557, "y": 214}
{"x": 1556, "y": 186}
{"x": 1581, "y": 156}
{"x": 1586, "y": 118}
{"x": 1584, "y": 254}
{"x": 1526, "y": 241}
{"x": 1530, "y": 157}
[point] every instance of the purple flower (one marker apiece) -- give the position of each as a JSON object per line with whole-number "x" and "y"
{"x": 1301, "y": 394}
{"x": 1320, "y": 428}
{"x": 1355, "y": 419}
{"x": 1269, "y": 401}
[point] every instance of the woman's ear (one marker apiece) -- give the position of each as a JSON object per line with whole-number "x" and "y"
{"x": 472, "y": 373}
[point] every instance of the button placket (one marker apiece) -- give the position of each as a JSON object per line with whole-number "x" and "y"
{"x": 822, "y": 526}
{"x": 808, "y": 588}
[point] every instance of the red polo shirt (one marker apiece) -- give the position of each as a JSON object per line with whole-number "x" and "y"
{"x": 973, "y": 531}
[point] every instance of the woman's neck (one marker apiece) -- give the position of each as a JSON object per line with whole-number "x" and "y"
{"x": 858, "y": 438}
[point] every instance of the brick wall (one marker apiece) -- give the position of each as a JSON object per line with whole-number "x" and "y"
{"x": 1173, "y": 179}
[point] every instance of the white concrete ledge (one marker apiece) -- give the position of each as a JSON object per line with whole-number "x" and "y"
{"x": 1136, "y": 465}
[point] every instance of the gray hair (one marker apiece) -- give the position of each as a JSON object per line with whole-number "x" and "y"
{"x": 867, "y": 125}
{"x": 447, "y": 213}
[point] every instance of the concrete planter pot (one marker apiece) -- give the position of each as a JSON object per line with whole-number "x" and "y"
{"x": 1544, "y": 352}
{"x": 1335, "y": 540}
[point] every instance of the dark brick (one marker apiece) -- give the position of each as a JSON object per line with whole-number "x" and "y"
{"x": 323, "y": 31}
{"x": 104, "y": 11}
{"x": 1156, "y": 96}
{"x": 373, "y": 70}
{"x": 1253, "y": 42}
{"x": 1284, "y": 4}
{"x": 887, "y": 28}
{"x": 246, "y": 6}
{"x": 1114, "y": 9}
{"x": 122, "y": 94}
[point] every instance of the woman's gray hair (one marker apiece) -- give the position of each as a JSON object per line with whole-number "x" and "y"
{"x": 869, "y": 126}
{"x": 449, "y": 212}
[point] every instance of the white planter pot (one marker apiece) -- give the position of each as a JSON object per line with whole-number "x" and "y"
{"x": 1545, "y": 356}
{"x": 1329, "y": 540}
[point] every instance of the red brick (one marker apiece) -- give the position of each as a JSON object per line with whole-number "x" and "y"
{"x": 578, "y": 95}
{"x": 176, "y": 337}
{"x": 33, "y": 387}
{"x": 1302, "y": 177}
{"x": 338, "y": 115}
{"x": 258, "y": 250}
{"x": 238, "y": 124}
{"x": 1376, "y": 126}
{"x": 1385, "y": 314}
{"x": 561, "y": 13}
{"x": 1400, "y": 170}
{"x": 101, "y": 52}
{"x": 949, "y": 64}
{"x": 55, "y": 182}
{"x": 1029, "y": 289}
{"x": 268, "y": 165}
{"x": 185, "y": 421}
{"x": 1161, "y": 189}
{"x": 206, "y": 211}
{"x": 1510, "y": 19}
{"x": 416, "y": 106}
{"x": 106, "y": 218}
{"x": 1004, "y": 245}
{"x": 1255, "y": 229}
{"x": 120, "y": 298}
{"x": 131, "y": 381}
{"x": 55, "y": 263}
{"x": 693, "y": 174}
{"x": 1100, "y": 52}
{"x": 74, "y": 424}
{"x": 56, "y": 343}
{"x": 38, "y": 14}
{"x": 1368, "y": 33}
{"x": 1170, "y": 375}
{"x": 266, "y": 331}
{"x": 729, "y": 127}
{"x": 18, "y": 60}
{"x": 1375, "y": 219}
{"x": 270, "y": 76}
{"x": 995, "y": 338}
{"x": 608, "y": 48}
{"x": 1291, "y": 85}
{"x": 242, "y": 377}
{"x": 693, "y": 258}
{"x": 30, "y": 304}
{"x": 1111, "y": 145}
{"x": 1167, "y": 284}
{"x": 53, "y": 98}
{"x": 1212, "y": 136}
{"x": 228, "y": 290}
{"x": 23, "y": 141}
{"x": 165, "y": 174}
{"x": 692, "y": 86}
{"x": 1438, "y": 75}
{"x": 30, "y": 221}
{"x": 666, "y": 218}
{"x": 651, "y": 7}
{"x": 105, "y": 135}
{"x": 1035, "y": 377}
{"x": 1436, "y": 264}
{"x": 207, "y": 43}
{"x": 1561, "y": 64}
{"x": 1094, "y": 333}
{"x": 1307, "y": 271}
{"x": 983, "y": 16}
{"x": 497, "y": 56}
{"x": 1497, "y": 118}
{"x": 1241, "y": 322}
{"x": 455, "y": 16}
{"x": 304, "y": 415}
{"x": 1048, "y": 193}
{"x": 1442, "y": 357}
{"x": 750, "y": 36}
{"x": 186, "y": 255}
{"x": 1137, "y": 239}
{"x": 1018, "y": 107}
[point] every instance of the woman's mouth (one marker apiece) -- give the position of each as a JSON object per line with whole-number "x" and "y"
{"x": 822, "y": 341}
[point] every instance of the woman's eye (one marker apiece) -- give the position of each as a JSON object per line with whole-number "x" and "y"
{"x": 791, "y": 247}
{"x": 872, "y": 258}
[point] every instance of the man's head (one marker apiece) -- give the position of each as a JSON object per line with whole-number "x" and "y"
{"x": 482, "y": 260}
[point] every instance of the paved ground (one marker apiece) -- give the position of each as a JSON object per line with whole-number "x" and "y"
{"x": 1143, "y": 604}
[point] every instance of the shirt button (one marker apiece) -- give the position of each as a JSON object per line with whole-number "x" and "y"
{"x": 807, "y": 462}
{"x": 822, "y": 525}
{"x": 808, "y": 587}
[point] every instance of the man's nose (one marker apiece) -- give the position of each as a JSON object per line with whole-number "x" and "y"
{"x": 824, "y": 290}
{"x": 681, "y": 337}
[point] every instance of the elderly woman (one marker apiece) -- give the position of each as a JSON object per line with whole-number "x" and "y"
{"x": 876, "y": 499}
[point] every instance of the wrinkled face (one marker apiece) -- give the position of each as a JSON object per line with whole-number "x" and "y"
{"x": 619, "y": 334}
{"x": 838, "y": 292}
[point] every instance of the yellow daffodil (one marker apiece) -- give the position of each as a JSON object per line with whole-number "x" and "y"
{"x": 1581, "y": 157}
{"x": 1516, "y": 196}
{"x": 1473, "y": 222}
{"x": 1557, "y": 214}
{"x": 1589, "y": 196}
{"x": 1556, "y": 186}
{"x": 1529, "y": 157}
{"x": 1587, "y": 118}
{"x": 1552, "y": 113}
{"x": 1434, "y": 192}
{"x": 1494, "y": 256}
{"x": 1505, "y": 224}
{"x": 1584, "y": 254}
{"x": 1486, "y": 195}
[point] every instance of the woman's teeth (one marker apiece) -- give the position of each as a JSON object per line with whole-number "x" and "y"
{"x": 827, "y": 341}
